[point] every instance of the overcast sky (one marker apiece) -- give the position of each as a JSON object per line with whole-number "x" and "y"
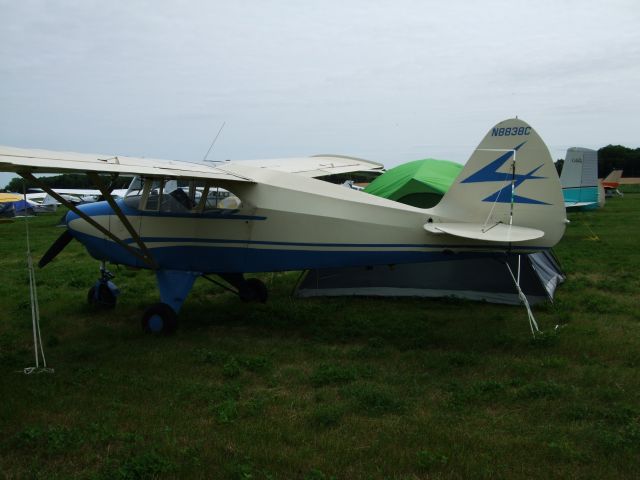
{"x": 391, "y": 81}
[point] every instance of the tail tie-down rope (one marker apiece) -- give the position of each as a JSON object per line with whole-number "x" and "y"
{"x": 523, "y": 298}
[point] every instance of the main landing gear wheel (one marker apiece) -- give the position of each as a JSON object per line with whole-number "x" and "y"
{"x": 101, "y": 296}
{"x": 159, "y": 318}
{"x": 254, "y": 290}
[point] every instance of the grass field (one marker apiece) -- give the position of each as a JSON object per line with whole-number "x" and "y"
{"x": 325, "y": 388}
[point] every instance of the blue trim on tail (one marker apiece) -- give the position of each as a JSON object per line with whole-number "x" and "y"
{"x": 490, "y": 173}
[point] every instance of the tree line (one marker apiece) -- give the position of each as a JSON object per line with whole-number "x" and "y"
{"x": 614, "y": 157}
{"x": 617, "y": 157}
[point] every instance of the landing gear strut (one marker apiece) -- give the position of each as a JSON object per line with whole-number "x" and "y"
{"x": 104, "y": 293}
{"x": 174, "y": 286}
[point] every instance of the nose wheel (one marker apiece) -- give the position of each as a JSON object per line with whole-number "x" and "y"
{"x": 103, "y": 294}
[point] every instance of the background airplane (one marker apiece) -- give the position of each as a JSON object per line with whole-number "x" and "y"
{"x": 612, "y": 182}
{"x": 579, "y": 179}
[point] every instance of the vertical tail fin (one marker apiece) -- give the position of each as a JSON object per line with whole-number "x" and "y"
{"x": 49, "y": 200}
{"x": 580, "y": 168}
{"x": 579, "y": 179}
{"x": 510, "y": 179}
{"x": 613, "y": 179}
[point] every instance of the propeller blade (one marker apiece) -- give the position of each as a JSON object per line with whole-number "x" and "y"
{"x": 62, "y": 241}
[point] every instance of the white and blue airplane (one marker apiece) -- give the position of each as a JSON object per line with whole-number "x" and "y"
{"x": 579, "y": 180}
{"x": 188, "y": 220}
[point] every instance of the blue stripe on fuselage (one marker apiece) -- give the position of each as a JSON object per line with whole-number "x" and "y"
{"x": 210, "y": 241}
{"x": 209, "y": 258}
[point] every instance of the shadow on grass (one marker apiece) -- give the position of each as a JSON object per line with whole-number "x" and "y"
{"x": 380, "y": 322}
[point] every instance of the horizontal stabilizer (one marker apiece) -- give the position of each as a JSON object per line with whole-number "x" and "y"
{"x": 578, "y": 204}
{"x": 498, "y": 232}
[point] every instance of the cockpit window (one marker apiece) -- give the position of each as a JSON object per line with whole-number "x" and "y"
{"x": 179, "y": 196}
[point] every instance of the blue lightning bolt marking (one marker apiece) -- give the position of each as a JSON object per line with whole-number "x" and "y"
{"x": 489, "y": 173}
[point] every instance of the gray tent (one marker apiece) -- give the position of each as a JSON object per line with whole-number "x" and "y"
{"x": 7, "y": 210}
{"x": 483, "y": 278}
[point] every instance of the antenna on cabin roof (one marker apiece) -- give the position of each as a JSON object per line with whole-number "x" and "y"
{"x": 204, "y": 159}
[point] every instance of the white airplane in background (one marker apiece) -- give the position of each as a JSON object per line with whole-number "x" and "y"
{"x": 611, "y": 183}
{"x": 73, "y": 195}
{"x": 507, "y": 198}
{"x": 42, "y": 202}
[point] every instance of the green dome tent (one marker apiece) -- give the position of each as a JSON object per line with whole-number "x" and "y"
{"x": 420, "y": 183}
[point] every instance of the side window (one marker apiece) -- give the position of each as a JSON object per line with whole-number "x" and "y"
{"x": 176, "y": 197}
{"x": 153, "y": 193}
{"x": 218, "y": 198}
{"x": 179, "y": 196}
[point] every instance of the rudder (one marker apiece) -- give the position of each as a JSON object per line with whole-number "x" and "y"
{"x": 510, "y": 179}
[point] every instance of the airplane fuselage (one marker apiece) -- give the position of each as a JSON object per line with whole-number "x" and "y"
{"x": 185, "y": 220}
{"x": 243, "y": 242}
{"x": 308, "y": 224}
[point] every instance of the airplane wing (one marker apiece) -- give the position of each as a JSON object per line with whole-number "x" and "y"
{"x": 46, "y": 161}
{"x": 315, "y": 166}
{"x": 77, "y": 191}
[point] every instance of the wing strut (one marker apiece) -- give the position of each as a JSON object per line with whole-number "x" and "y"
{"x": 97, "y": 181}
{"x": 148, "y": 260}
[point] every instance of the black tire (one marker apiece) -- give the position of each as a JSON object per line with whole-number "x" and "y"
{"x": 105, "y": 298}
{"x": 254, "y": 290}
{"x": 159, "y": 318}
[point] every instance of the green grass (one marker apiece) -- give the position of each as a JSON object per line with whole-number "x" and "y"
{"x": 325, "y": 388}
